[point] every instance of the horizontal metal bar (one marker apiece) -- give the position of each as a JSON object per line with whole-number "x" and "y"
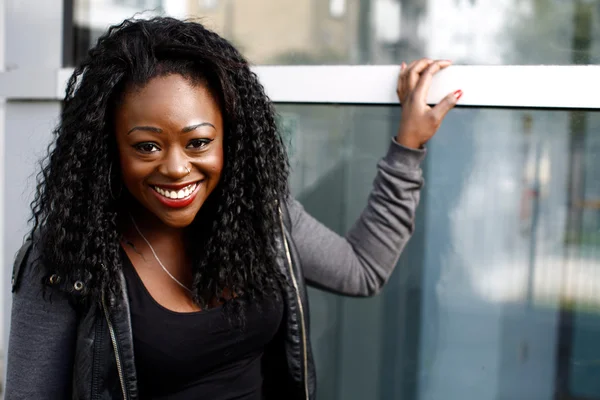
{"x": 483, "y": 86}
{"x": 486, "y": 86}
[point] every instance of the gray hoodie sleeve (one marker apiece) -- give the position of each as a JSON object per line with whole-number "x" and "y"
{"x": 360, "y": 263}
{"x": 41, "y": 342}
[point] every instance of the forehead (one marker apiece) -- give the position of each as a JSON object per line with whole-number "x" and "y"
{"x": 172, "y": 96}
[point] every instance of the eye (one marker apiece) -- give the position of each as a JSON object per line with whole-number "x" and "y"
{"x": 146, "y": 147}
{"x": 198, "y": 144}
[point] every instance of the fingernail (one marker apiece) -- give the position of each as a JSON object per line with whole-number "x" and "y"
{"x": 403, "y": 65}
{"x": 458, "y": 94}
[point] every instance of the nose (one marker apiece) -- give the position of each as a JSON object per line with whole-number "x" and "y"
{"x": 175, "y": 165}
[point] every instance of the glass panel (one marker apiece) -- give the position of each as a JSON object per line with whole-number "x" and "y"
{"x": 497, "y": 295}
{"x": 374, "y": 31}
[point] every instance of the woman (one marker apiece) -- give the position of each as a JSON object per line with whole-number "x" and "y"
{"x": 167, "y": 259}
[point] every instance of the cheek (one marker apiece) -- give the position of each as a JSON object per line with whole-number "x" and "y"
{"x": 133, "y": 171}
{"x": 219, "y": 162}
{"x": 213, "y": 164}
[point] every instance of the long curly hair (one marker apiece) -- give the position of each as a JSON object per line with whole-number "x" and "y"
{"x": 73, "y": 208}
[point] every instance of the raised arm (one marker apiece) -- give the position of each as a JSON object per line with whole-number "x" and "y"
{"x": 42, "y": 338}
{"x": 360, "y": 263}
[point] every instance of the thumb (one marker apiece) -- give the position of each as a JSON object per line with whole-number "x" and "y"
{"x": 447, "y": 104}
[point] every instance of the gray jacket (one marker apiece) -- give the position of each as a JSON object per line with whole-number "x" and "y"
{"x": 46, "y": 342}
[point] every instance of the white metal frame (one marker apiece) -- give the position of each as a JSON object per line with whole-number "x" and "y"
{"x": 483, "y": 86}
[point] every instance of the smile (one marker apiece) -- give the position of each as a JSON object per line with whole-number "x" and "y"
{"x": 180, "y": 194}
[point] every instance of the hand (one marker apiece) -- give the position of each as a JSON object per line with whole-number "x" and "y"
{"x": 419, "y": 121}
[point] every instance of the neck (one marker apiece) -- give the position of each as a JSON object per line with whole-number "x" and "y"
{"x": 154, "y": 229}
{"x": 144, "y": 232}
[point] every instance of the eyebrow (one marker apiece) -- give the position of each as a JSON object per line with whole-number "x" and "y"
{"x": 158, "y": 130}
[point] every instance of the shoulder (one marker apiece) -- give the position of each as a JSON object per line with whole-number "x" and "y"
{"x": 29, "y": 267}
{"x": 285, "y": 214}
{"x": 32, "y": 279}
{"x": 293, "y": 213}
{"x": 21, "y": 260}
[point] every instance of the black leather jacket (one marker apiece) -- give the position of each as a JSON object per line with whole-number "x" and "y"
{"x": 104, "y": 366}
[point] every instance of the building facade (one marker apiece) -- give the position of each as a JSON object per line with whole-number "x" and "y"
{"x": 497, "y": 295}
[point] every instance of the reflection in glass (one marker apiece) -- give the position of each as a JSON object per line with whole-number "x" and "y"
{"x": 498, "y": 293}
{"x": 316, "y": 32}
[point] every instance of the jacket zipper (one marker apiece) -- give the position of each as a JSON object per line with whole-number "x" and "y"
{"x": 300, "y": 306}
{"x": 113, "y": 339}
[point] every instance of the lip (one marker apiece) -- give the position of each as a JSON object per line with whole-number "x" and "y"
{"x": 177, "y": 203}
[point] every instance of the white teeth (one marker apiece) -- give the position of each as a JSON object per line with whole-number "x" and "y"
{"x": 179, "y": 194}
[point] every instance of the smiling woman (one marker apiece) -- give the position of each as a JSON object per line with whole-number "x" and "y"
{"x": 165, "y": 235}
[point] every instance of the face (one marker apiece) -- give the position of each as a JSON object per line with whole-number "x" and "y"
{"x": 170, "y": 143}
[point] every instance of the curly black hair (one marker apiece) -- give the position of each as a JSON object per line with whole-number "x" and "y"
{"x": 73, "y": 208}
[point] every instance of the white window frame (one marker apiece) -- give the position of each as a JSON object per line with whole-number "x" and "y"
{"x": 483, "y": 86}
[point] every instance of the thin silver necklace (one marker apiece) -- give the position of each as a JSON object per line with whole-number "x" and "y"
{"x": 156, "y": 257}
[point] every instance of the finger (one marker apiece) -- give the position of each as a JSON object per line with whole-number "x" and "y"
{"x": 402, "y": 72}
{"x": 402, "y": 84}
{"x": 407, "y": 70}
{"x": 422, "y": 87}
{"x": 447, "y": 104}
{"x": 412, "y": 64}
{"x": 414, "y": 73}
{"x": 399, "y": 81}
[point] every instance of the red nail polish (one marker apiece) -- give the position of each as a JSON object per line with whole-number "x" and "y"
{"x": 458, "y": 94}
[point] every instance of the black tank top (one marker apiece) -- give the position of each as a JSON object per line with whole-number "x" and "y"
{"x": 197, "y": 355}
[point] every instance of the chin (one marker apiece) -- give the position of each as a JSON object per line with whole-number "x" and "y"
{"x": 178, "y": 224}
{"x": 178, "y": 221}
